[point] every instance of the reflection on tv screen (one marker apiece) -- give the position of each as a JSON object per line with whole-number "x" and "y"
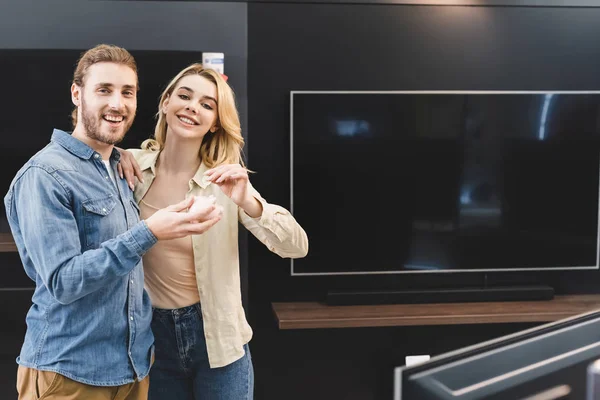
{"x": 436, "y": 182}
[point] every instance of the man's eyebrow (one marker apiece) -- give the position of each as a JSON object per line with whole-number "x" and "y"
{"x": 110, "y": 85}
{"x": 204, "y": 97}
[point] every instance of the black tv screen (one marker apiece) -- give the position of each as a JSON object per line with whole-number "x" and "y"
{"x": 405, "y": 182}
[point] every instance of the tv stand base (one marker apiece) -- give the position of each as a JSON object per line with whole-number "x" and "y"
{"x": 454, "y": 295}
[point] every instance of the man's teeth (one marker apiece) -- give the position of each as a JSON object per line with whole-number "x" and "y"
{"x": 113, "y": 118}
{"x": 187, "y": 120}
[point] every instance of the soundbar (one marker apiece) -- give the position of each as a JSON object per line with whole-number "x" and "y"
{"x": 454, "y": 295}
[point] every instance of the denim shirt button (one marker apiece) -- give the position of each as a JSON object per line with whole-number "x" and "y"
{"x": 131, "y": 318}
{"x": 96, "y": 155}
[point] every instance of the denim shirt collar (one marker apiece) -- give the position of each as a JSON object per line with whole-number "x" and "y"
{"x": 77, "y": 147}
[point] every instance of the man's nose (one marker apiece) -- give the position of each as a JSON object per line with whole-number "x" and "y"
{"x": 116, "y": 101}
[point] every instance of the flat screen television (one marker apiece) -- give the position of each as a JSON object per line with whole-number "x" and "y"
{"x": 549, "y": 362}
{"x": 401, "y": 182}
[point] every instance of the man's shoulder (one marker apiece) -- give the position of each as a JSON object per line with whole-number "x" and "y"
{"x": 44, "y": 163}
{"x": 53, "y": 158}
{"x": 49, "y": 160}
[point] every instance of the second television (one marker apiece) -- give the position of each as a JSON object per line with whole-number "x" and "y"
{"x": 434, "y": 181}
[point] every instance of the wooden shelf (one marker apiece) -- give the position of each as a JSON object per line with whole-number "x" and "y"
{"x": 311, "y": 315}
{"x": 7, "y": 243}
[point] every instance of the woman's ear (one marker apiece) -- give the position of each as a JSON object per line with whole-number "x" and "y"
{"x": 165, "y": 104}
{"x": 216, "y": 126}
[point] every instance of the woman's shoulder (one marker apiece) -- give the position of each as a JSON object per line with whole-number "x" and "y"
{"x": 142, "y": 154}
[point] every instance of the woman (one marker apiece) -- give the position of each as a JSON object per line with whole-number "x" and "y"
{"x": 201, "y": 333}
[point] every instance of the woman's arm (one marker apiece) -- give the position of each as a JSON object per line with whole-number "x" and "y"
{"x": 277, "y": 229}
{"x": 273, "y": 225}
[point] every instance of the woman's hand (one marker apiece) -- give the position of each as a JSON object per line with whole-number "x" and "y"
{"x": 232, "y": 179}
{"x": 129, "y": 168}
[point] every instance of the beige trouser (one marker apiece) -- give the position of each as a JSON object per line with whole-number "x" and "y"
{"x": 41, "y": 385}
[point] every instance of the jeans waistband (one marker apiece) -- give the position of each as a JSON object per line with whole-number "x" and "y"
{"x": 178, "y": 311}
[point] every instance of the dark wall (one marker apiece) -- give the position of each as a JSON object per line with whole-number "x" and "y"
{"x": 386, "y": 47}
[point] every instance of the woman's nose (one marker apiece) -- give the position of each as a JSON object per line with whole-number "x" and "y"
{"x": 191, "y": 108}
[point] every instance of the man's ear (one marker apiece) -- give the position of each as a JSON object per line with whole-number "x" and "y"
{"x": 76, "y": 94}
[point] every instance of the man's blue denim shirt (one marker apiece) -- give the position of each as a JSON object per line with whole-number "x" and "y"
{"x": 81, "y": 241}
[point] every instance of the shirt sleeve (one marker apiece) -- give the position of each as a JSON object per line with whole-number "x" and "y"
{"x": 276, "y": 228}
{"x": 50, "y": 239}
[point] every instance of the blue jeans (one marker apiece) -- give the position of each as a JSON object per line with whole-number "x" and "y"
{"x": 181, "y": 370}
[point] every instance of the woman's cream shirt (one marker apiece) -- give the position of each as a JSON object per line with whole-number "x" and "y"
{"x": 216, "y": 258}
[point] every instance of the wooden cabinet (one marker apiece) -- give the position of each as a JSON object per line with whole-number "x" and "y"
{"x": 7, "y": 243}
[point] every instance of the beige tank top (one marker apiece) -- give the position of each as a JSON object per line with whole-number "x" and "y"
{"x": 170, "y": 275}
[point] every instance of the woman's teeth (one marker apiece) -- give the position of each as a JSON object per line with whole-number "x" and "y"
{"x": 187, "y": 120}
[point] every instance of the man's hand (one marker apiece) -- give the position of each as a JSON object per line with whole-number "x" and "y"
{"x": 175, "y": 221}
{"x": 128, "y": 168}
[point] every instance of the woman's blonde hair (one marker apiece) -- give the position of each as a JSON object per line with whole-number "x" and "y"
{"x": 224, "y": 146}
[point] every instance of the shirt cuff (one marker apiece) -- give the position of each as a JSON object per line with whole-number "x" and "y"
{"x": 141, "y": 237}
{"x": 267, "y": 219}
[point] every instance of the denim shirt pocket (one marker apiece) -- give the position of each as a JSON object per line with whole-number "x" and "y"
{"x": 97, "y": 220}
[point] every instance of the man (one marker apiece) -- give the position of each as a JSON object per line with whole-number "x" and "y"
{"x": 80, "y": 239}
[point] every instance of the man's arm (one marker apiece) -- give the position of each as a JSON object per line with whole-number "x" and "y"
{"x": 51, "y": 240}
